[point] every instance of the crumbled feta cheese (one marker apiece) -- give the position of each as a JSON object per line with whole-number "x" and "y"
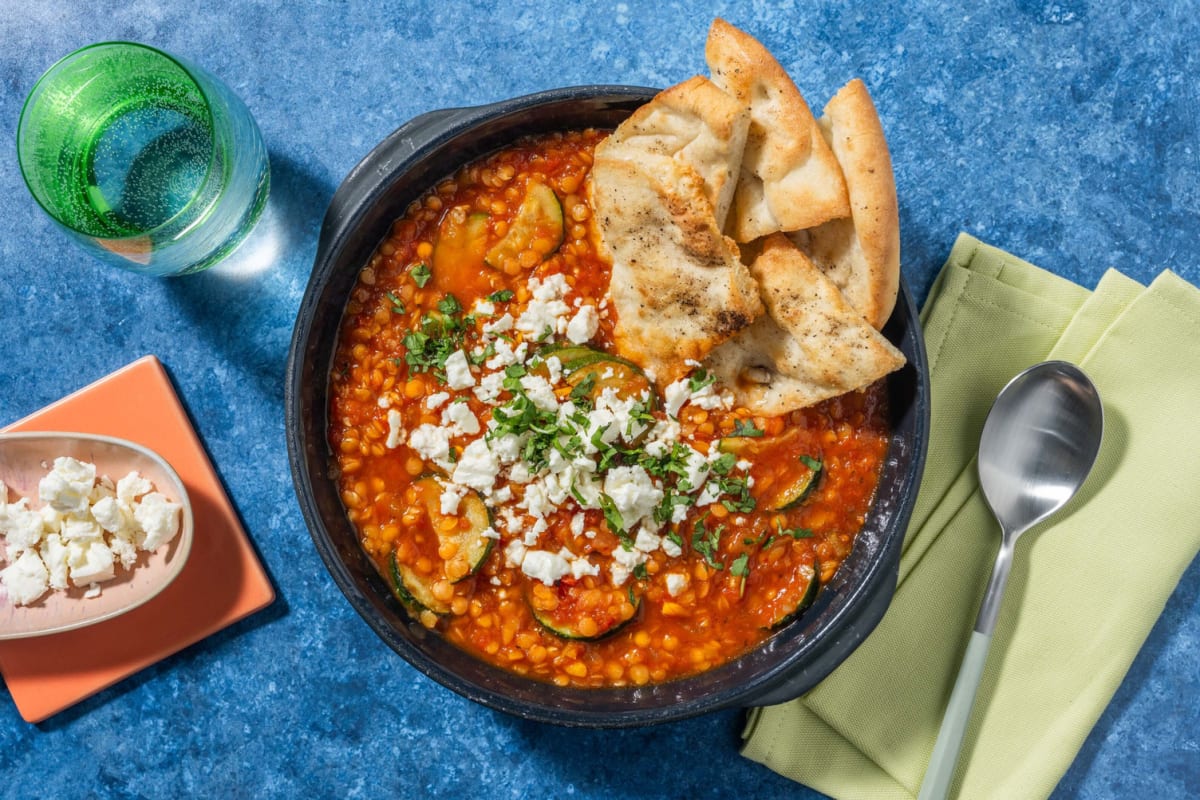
{"x": 535, "y": 532}
{"x": 159, "y": 518}
{"x": 506, "y": 355}
{"x": 458, "y": 371}
{"x": 26, "y": 579}
{"x": 514, "y": 553}
{"x": 536, "y": 501}
{"x": 501, "y": 324}
{"x": 671, "y": 547}
{"x": 709, "y": 398}
{"x": 384, "y": 401}
{"x": 112, "y": 514}
{"x": 554, "y": 367}
{"x": 580, "y": 566}
{"x": 484, "y": 308}
{"x": 583, "y": 325}
{"x": 435, "y": 400}
{"x": 430, "y": 442}
{"x": 133, "y": 486}
{"x": 60, "y": 544}
{"x": 646, "y": 541}
{"x": 81, "y": 530}
{"x": 675, "y": 395}
{"x": 477, "y": 467}
{"x": 460, "y": 419}
{"x": 451, "y": 496}
{"x": 696, "y": 469}
{"x": 540, "y": 392}
{"x": 633, "y": 492}
{"x": 68, "y": 486}
{"x": 676, "y": 583}
{"x": 489, "y": 388}
{"x": 711, "y": 492}
{"x": 395, "y": 429}
{"x": 90, "y": 563}
{"x": 546, "y": 310}
{"x": 545, "y": 566}
{"x": 55, "y": 556}
{"x": 24, "y": 527}
{"x": 577, "y": 523}
{"x": 490, "y": 533}
{"x": 508, "y": 447}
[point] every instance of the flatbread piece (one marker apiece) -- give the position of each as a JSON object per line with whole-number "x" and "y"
{"x": 860, "y": 253}
{"x": 789, "y": 177}
{"x": 810, "y": 346}
{"x": 677, "y": 286}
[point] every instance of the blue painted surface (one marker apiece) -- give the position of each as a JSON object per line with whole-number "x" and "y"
{"x": 1063, "y": 131}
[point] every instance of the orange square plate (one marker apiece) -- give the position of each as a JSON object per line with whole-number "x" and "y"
{"x": 222, "y": 582}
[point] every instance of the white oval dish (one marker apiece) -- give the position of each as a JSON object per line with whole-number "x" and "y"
{"x": 24, "y": 459}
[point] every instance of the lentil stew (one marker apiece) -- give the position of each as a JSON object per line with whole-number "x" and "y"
{"x": 533, "y": 496}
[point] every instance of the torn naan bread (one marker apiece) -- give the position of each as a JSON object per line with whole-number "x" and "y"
{"x": 860, "y": 253}
{"x": 696, "y": 124}
{"x": 789, "y": 177}
{"x": 678, "y": 286}
{"x": 810, "y": 346}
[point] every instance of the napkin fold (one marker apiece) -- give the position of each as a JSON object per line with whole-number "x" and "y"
{"x": 1087, "y": 585}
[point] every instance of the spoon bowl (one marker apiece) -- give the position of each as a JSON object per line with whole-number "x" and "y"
{"x": 24, "y": 459}
{"x": 1038, "y": 445}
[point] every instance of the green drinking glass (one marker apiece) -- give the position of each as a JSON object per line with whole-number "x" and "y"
{"x": 150, "y": 162}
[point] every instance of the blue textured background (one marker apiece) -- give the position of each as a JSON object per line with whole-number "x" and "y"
{"x": 1065, "y": 132}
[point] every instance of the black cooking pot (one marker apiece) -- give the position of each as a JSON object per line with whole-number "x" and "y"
{"x": 376, "y": 192}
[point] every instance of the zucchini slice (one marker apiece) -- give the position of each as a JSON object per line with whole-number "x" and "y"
{"x": 571, "y": 609}
{"x": 591, "y": 375}
{"x": 473, "y": 547}
{"x": 461, "y": 241}
{"x": 412, "y": 590}
{"x": 571, "y": 355}
{"x": 798, "y": 489}
{"x": 540, "y": 217}
{"x": 806, "y": 599}
{"x": 751, "y": 446}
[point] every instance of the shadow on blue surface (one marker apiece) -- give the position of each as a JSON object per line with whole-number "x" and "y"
{"x": 241, "y": 305}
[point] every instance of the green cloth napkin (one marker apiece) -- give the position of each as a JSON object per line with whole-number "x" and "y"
{"x": 1087, "y": 585}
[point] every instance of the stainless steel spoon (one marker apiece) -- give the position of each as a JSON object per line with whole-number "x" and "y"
{"x": 1039, "y": 443}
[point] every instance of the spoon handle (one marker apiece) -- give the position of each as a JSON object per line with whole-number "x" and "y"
{"x": 940, "y": 772}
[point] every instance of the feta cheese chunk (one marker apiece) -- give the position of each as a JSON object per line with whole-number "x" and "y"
{"x": 90, "y": 563}
{"x": 633, "y": 492}
{"x": 458, "y": 371}
{"x": 159, "y": 518}
{"x": 26, "y": 579}
{"x": 477, "y": 467}
{"x": 583, "y": 325}
{"x": 23, "y": 526}
{"x": 68, "y": 486}
{"x": 133, "y": 486}
{"x": 545, "y": 566}
{"x": 676, "y": 583}
{"x": 395, "y": 429}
